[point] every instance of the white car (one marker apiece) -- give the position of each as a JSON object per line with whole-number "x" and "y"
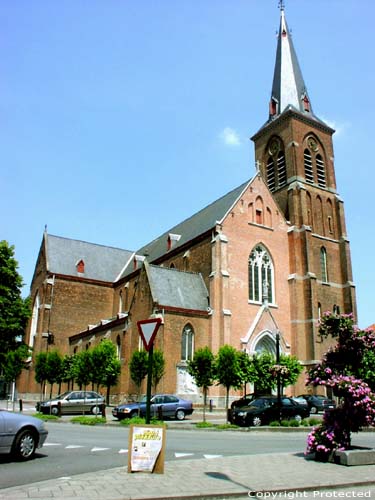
{"x": 20, "y": 434}
{"x": 73, "y": 402}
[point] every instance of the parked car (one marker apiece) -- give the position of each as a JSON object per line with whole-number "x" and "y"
{"x": 20, "y": 434}
{"x": 318, "y": 403}
{"x": 167, "y": 404}
{"x": 244, "y": 401}
{"x": 263, "y": 410}
{"x": 73, "y": 402}
{"x": 300, "y": 400}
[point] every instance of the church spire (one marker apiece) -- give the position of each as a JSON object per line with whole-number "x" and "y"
{"x": 288, "y": 88}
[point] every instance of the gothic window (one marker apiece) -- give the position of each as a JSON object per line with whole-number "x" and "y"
{"x": 281, "y": 169}
{"x": 187, "y": 343}
{"x": 336, "y": 309}
{"x": 34, "y": 321}
{"x": 120, "y": 302}
{"x": 323, "y": 265}
{"x": 320, "y": 171}
{"x": 270, "y": 174}
{"x": 260, "y": 274}
{"x": 319, "y": 311}
{"x": 118, "y": 347}
{"x": 309, "y": 175}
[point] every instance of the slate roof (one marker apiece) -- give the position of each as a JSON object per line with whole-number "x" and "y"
{"x": 101, "y": 262}
{"x": 191, "y": 228}
{"x": 178, "y": 289}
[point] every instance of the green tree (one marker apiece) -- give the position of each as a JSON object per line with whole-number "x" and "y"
{"x": 138, "y": 368}
{"x": 54, "y": 369}
{"x": 67, "y": 371}
{"x": 202, "y": 369}
{"x": 82, "y": 368}
{"x": 15, "y": 362}
{"x": 244, "y": 361}
{"x": 228, "y": 370}
{"x": 106, "y": 367}
{"x": 290, "y": 370}
{"x": 40, "y": 370}
{"x": 14, "y": 310}
{"x": 158, "y": 367}
{"x": 260, "y": 373}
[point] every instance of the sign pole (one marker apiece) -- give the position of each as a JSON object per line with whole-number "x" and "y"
{"x": 149, "y": 383}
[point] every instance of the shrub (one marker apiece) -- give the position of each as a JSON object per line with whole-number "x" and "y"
{"x": 88, "y": 420}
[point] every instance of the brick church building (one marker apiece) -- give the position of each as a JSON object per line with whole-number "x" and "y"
{"x": 268, "y": 257}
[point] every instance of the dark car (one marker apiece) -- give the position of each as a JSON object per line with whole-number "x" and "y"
{"x": 262, "y": 411}
{"x": 73, "y": 402}
{"x": 318, "y": 403}
{"x": 20, "y": 434}
{"x": 165, "y": 405}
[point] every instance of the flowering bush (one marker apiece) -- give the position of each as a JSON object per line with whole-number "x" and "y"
{"x": 339, "y": 370}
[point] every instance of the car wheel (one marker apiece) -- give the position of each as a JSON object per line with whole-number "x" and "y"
{"x": 180, "y": 414}
{"x": 313, "y": 409}
{"x": 54, "y": 410}
{"x": 257, "y": 421}
{"x": 134, "y": 413}
{"x": 298, "y": 418}
{"x": 25, "y": 445}
{"x": 95, "y": 410}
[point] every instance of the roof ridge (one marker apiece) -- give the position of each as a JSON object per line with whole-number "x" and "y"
{"x": 88, "y": 243}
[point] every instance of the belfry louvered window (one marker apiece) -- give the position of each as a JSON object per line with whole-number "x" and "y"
{"x": 271, "y": 174}
{"x": 323, "y": 265}
{"x": 309, "y": 175}
{"x": 281, "y": 169}
{"x": 320, "y": 171}
{"x": 260, "y": 275}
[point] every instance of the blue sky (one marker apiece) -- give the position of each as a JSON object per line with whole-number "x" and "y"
{"x": 120, "y": 118}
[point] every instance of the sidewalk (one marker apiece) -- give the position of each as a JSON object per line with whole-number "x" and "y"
{"x": 230, "y": 477}
{"x": 217, "y": 478}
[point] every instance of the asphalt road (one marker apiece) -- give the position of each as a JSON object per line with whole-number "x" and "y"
{"x": 73, "y": 449}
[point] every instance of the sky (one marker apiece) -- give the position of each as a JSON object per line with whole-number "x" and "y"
{"x": 121, "y": 118}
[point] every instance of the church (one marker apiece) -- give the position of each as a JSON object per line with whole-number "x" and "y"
{"x": 265, "y": 260}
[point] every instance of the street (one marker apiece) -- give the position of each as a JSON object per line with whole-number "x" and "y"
{"x": 74, "y": 449}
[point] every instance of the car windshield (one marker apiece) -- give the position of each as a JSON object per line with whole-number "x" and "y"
{"x": 258, "y": 403}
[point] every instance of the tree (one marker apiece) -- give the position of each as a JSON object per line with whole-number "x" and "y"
{"x": 67, "y": 370}
{"x": 54, "y": 368}
{"x": 340, "y": 370}
{"x": 228, "y": 372}
{"x": 202, "y": 369}
{"x": 14, "y": 310}
{"x": 40, "y": 369}
{"x": 289, "y": 369}
{"x": 158, "y": 367}
{"x": 138, "y": 369}
{"x": 82, "y": 368}
{"x": 244, "y": 361}
{"x": 105, "y": 366}
{"x": 260, "y": 373}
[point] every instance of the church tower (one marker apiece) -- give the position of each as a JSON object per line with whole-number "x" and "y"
{"x": 294, "y": 152}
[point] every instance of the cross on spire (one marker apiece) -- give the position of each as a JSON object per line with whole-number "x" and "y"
{"x": 281, "y": 5}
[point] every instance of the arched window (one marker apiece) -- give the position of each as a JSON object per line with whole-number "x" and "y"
{"x": 323, "y": 265}
{"x": 281, "y": 169}
{"x": 271, "y": 174}
{"x": 187, "y": 343}
{"x": 320, "y": 171}
{"x": 34, "y": 321}
{"x": 309, "y": 175}
{"x": 319, "y": 311}
{"x": 118, "y": 346}
{"x": 120, "y": 303}
{"x": 266, "y": 344}
{"x": 260, "y": 274}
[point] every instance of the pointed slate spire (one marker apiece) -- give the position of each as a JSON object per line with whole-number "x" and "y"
{"x": 288, "y": 87}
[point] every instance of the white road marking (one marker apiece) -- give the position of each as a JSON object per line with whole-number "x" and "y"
{"x": 98, "y": 449}
{"x": 212, "y": 456}
{"x": 179, "y": 455}
{"x": 123, "y": 451}
{"x": 71, "y": 446}
{"x": 51, "y": 444}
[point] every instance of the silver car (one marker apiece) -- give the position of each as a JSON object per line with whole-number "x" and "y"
{"x": 20, "y": 434}
{"x": 73, "y": 402}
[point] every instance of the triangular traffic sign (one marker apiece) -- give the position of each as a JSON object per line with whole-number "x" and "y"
{"x": 148, "y": 329}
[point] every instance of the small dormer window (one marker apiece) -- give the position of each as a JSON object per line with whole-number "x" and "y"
{"x": 138, "y": 261}
{"x": 273, "y": 106}
{"x": 172, "y": 240}
{"x": 306, "y": 103}
{"x": 80, "y": 266}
